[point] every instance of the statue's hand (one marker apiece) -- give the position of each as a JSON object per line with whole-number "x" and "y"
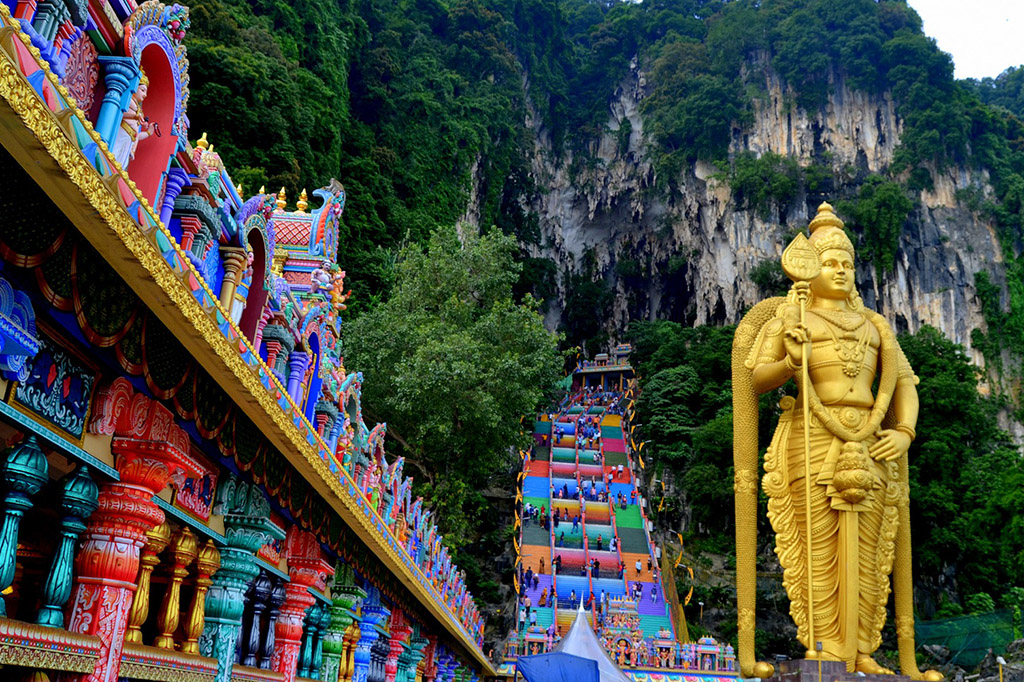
{"x": 794, "y": 336}
{"x": 890, "y": 445}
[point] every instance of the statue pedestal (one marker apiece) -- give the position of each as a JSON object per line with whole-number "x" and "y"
{"x": 831, "y": 671}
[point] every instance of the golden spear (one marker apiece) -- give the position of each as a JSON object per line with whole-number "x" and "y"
{"x": 800, "y": 263}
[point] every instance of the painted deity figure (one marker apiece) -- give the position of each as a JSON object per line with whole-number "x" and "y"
{"x": 319, "y": 280}
{"x": 373, "y": 487}
{"x": 837, "y": 482}
{"x": 135, "y": 126}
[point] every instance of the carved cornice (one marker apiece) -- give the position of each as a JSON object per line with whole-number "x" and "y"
{"x": 142, "y": 662}
{"x": 130, "y": 246}
{"x": 193, "y": 204}
{"x": 36, "y": 646}
{"x": 243, "y": 673}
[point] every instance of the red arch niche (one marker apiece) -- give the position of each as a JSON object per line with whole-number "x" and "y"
{"x": 257, "y": 296}
{"x": 154, "y": 152}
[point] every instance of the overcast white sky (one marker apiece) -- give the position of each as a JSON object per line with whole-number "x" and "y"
{"x": 984, "y": 36}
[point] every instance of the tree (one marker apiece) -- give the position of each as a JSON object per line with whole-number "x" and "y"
{"x": 685, "y": 406}
{"x": 965, "y": 475}
{"x": 452, "y": 363}
{"x": 878, "y": 215}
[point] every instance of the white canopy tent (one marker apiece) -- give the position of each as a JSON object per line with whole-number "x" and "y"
{"x": 581, "y": 641}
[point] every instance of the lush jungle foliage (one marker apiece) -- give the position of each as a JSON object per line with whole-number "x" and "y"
{"x": 424, "y": 107}
{"x": 407, "y": 101}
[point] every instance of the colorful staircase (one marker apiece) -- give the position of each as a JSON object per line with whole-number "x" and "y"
{"x": 563, "y": 473}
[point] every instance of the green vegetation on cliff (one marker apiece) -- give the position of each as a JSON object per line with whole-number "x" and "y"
{"x": 422, "y": 106}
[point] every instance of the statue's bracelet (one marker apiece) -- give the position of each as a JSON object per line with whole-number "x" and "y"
{"x": 907, "y": 429}
{"x": 790, "y": 365}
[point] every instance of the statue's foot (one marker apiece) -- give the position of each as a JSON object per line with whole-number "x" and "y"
{"x": 868, "y": 666}
{"x": 932, "y": 676}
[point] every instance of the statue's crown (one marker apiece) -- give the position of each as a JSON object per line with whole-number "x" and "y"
{"x": 827, "y": 231}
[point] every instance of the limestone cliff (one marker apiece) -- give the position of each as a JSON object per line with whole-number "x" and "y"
{"x": 694, "y": 246}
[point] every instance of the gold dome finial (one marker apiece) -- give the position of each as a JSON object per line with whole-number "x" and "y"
{"x": 281, "y": 201}
{"x": 202, "y": 142}
{"x": 210, "y": 150}
{"x": 302, "y": 204}
{"x": 263, "y": 189}
{"x": 826, "y": 218}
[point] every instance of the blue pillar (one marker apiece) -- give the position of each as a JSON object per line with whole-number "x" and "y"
{"x": 177, "y": 178}
{"x": 373, "y": 614}
{"x": 121, "y": 76}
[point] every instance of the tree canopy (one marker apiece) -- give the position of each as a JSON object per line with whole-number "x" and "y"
{"x": 452, "y": 363}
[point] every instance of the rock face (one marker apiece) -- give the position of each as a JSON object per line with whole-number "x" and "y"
{"x": 692, "y": 249}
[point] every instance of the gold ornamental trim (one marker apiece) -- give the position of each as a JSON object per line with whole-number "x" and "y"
{"x": 142, "y": 662}
{"x": 244, "y": 673}
{"x": 31, "y": 132}
{"x": 34, "y": 646}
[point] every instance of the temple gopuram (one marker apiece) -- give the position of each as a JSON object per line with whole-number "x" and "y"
{"x": 190, "y": 491}
{"x": 585, "y": 539}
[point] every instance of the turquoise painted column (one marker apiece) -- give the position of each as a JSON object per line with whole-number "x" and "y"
{"x": 24, "y": 471}
{"x": 310, "y": 624}
{"x": 79, "y": 499}
{"x": 345, "y": 597}
{"x": 374, "y": 613}
{"x": 247, "y": 528}
{"x": 121, "y": 77}
{"x": 412, "y": 656}
{"x": 318, "y": 642}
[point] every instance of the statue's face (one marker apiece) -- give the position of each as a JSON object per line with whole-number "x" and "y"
{"x": 836, "y": 280}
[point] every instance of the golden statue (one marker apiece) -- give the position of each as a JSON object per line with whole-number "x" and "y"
{"x": 836, "y": 557}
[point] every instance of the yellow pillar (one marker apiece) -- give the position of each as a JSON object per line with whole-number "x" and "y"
{"x": 158, "y": 539}
{"x": 234, "y": 264}
{"x": 183, "y": 551}
{"x": 207, "y": 563}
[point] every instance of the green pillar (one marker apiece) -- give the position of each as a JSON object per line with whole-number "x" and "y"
{"x": 24, "y": 471}
{"x": 79, "y": 499}
{"x": 345, "y": 598}
{"x": 309, "y": 624}
{"x": 414, "y": 654}
{"x": 318, "y": 642}
{"x": 247, "y": 528}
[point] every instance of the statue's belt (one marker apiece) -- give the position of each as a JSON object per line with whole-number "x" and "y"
{"x": 853, "y": 418}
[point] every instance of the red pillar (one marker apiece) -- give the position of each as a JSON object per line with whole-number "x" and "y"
{"x": 430, "y": 665}
{"x": 400, "y": 630}
{"x": 190, "y": 227}
{"x": 306, "y": 569}
{"x": 148, "y": 448}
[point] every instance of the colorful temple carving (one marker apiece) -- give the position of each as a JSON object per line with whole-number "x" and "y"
{"x": 584, "y": 538}
{"x": 190, "y": 491}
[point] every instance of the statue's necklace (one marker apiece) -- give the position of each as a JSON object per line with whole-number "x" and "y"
{"x": 851, "y": 346}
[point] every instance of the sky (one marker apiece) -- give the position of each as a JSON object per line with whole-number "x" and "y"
{"x": 984, "y": 36}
